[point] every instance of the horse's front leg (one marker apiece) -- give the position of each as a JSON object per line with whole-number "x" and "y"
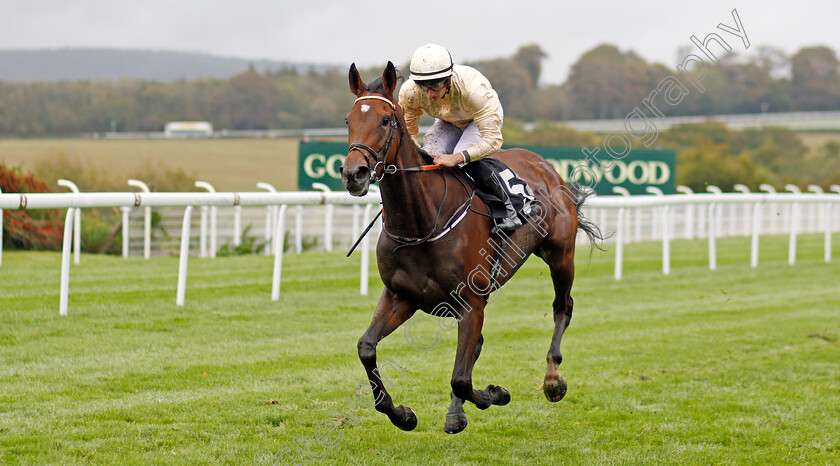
{"x": 391, "y": 312}
{"x": 469, "y": 334}
{"x": 456, "y": 418}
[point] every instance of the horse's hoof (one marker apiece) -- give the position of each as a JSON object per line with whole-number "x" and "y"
{"x": 500, "y": 395}
{"x": 410, "y": 421}
{"x": 455, "y": 423}
{"x": 555, "y": 391}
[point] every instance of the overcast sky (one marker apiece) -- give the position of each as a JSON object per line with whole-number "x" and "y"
{"x": 372, "y": 32}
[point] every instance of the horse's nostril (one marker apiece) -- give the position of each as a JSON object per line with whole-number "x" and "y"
{"x": 363, "y": 173}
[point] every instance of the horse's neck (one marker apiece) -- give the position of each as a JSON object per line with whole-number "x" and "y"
{"x": 411, "y": 200}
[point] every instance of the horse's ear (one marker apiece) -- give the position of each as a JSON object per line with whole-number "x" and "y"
{"x": 389, "y": 79}
{"x": 357, "y": 86}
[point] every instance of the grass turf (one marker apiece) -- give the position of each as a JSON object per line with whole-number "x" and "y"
{"x": 732, "y": 366}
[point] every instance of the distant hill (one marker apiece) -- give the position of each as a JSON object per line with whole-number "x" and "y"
{"x": 73, "y": 64}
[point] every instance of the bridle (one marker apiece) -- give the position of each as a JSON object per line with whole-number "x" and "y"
{"x": 381, "y": 155}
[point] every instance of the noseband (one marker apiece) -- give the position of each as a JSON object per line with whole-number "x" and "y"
{"x": 380, "y": 155}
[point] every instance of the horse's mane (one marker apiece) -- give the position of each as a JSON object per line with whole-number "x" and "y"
{"x": 425, "y": 155}
{"x": 378, "y": 87}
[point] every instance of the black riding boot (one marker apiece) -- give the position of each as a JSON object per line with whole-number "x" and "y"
{"x": 489, "y": 182}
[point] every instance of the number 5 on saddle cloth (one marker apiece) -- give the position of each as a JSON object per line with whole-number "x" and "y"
{"x": 494, "y": 176}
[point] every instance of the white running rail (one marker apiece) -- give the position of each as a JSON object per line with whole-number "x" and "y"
{"x": 664, "y": 204}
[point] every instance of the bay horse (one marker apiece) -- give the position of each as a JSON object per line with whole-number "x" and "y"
{"x": 441, "y": 266}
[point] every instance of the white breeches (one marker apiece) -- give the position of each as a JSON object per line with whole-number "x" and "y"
{"x": 445, "y": 138}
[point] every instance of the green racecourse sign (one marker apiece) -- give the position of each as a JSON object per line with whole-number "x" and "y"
{"x": 318, "y": 162}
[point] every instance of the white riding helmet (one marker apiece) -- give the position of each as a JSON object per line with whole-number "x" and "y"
{"x": 429, "y": 62}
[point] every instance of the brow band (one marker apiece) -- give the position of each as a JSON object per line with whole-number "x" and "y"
{"x": 377, "y": 98}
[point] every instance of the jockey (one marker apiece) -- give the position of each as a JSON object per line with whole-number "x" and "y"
{"x": 468, "y": 118}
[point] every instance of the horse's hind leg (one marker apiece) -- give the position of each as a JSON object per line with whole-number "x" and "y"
{"x": 456, "y": 418}
{"x": 561, "y": 263}
{"x": 391, "y": 312}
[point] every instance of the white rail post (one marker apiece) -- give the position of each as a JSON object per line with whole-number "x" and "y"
{"x": 213, "y": 217}
{"x": 794, "y": 221}
{"x": 747, "y": 211}
{"x": 689, "y": 212}
{"x": 147, "y": 219}
{"x": 125, "y": 212}
{"x": 624, "y": 223}
{"x": 756, "y": 231}
{"x": 363, "y": 278}
{"x": 64, "y": 291}
{"x": 355, "y": 230}
{"x": 619, "y": 243}
{"x": 77, "y": 229}
{"x": 663, "y": 213}
{"x": 814, "y": 208}
{"x": 655, "y": 227}
{"x": 328, "y": 217}
{"x": 718, "y": 220}
{"x": 702, "y": 227}
{"x": 184, "y": 258}
{"x": 712, "y": 232}
{"x": 279, "y": 239}
{"x": 213, "y": 231}
{"x": 270, "y": 219}
{"x": 773, "y": 214}
{"x": 834, "y": 188}
{"x": 202, "y": 234}
{"x": 299, "y": 229}
{"x": 237, "y": 225}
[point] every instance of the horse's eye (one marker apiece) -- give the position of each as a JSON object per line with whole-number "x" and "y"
{"x": 346, "y": 122}
{"x": 385, "y": 121}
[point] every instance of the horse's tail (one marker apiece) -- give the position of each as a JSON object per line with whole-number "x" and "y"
{"x": 579, "y": 196}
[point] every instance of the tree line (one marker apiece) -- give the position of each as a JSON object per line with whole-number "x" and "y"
{"x": 249, "y": 100}
{"x": 604, "y": 83}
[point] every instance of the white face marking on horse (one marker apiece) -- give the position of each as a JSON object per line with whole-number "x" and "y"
{"x": 365, "y": 108}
